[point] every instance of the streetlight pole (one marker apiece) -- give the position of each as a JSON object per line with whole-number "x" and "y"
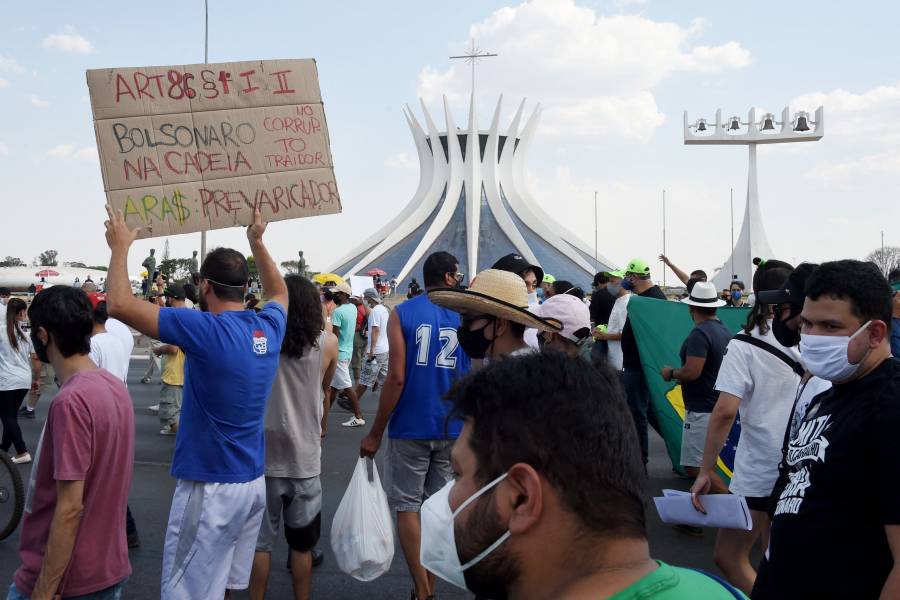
{"x": 664, "y": 233}
{"x": 205, "y": 60}
{"x": 596, "y": 253}
{"x": 733, "y": 131}
{"x": 733, "y": 274}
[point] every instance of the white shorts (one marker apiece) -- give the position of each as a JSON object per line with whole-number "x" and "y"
{"x": 341, "y": 379}
{"x": 211, "y": 538}
{"x": 693, "y": 438}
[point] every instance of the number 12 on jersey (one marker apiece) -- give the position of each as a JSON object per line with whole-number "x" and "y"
{"x": 445, "y": 358}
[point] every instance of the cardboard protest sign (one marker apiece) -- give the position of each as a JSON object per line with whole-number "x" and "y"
{"x": 197, "y": 147}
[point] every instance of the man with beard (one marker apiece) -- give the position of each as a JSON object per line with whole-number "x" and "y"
{"x": 424, "y": 360}
{"x": 522, "y": 522}
{"x": 231, "y": 358}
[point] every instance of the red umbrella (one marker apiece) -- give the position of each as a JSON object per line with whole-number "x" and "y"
{"x": 376, "y": 271}
{"x": 47, "y": 273}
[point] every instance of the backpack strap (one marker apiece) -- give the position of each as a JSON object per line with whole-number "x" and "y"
{"x": 793, "y": 364}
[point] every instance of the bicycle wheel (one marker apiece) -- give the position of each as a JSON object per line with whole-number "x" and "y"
{"x": 12, "y": 496}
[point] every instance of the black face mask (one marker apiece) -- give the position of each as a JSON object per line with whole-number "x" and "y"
{"x": 786, "y": 336}
{"x": 40, "y": 349}
{"x": 474, "y": 343}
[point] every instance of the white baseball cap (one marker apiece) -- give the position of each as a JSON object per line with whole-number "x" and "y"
{"x": 571, "y": 312}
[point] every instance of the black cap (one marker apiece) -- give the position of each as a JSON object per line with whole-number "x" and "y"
{"x": 793, "y": 291}
{"x": 516, "y": 263}
{"x": 175, "y": 291}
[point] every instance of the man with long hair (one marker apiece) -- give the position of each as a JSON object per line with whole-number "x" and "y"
{"x": 293, "y": 427}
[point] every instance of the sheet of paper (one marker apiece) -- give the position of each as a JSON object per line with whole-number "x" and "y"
{"x": 723, "y": 511}
{"x": 360, "y": 283}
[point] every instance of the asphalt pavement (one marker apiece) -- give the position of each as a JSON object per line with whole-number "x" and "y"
{"x": 152, "y": 488}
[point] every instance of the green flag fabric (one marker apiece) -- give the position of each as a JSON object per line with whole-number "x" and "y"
{"x": 660, "y": 328}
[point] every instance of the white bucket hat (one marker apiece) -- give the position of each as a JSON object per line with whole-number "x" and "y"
{"x": 704, "y": 295}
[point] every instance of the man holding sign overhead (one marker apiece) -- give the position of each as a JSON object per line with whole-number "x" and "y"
{"x": 231, "y": 356}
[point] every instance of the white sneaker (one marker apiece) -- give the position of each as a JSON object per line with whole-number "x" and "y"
{"x": 153, "y": 410}
{"x": 167, "y": 430}
{"x": 21, "y": 460}
{"x": 354, "y": 422}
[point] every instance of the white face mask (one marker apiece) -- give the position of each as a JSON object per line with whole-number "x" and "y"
{"x": 532, "y": 299}
{"x": 438, "y": 548}
{"x": 825, "y": 356}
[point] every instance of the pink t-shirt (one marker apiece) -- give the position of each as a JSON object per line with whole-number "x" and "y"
{"x": 89, "y": 436}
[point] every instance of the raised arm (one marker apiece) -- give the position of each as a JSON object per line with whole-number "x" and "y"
{"x": 678, "y": 272}
{"x": 269, "y": 275}
{"x": 120, "y": 302}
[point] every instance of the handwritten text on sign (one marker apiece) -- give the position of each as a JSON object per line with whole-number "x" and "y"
{"x": 190, "y": 148}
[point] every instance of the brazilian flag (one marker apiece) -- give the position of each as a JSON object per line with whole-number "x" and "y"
{"x": 660, "y": 328}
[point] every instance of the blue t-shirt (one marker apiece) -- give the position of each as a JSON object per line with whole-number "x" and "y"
{"x": 344, "y": 316}
{"x": 230, "y": 364}
{"x": 434, "y": 361}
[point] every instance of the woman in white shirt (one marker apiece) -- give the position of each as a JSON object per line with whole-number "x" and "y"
{"x": 19, "y": 369}
{"x": 757, "y": 380}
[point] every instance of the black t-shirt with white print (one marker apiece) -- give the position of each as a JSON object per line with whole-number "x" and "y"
{"x": 842, "y": 486}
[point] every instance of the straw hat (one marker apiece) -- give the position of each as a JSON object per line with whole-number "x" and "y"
{"x": 497, "y": 293}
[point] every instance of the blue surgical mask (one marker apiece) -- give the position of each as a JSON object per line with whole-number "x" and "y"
{"x": 736, "y": 294}
{"x": 627, "y": 284}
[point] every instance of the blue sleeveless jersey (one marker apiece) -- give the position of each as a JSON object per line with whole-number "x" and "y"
{"x": 434, "y": 361}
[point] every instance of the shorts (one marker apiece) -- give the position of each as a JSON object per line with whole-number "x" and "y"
{"x": 211, "y": 538}
{"x": 374, "y": 370}
{"x": 170, "y": 403}
{"x": 414, "y": 470}
{"x": 299, "y": 501}
{"x": 693, "y": 438}
{"x": 341, "y": 379}
{"x": 758, "y": 503}
{"x": 113, "y": 592}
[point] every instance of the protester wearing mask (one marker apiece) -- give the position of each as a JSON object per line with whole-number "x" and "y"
{"x": 756, "y": 379}
{"x": 20, "y": 371}
{"x": 521, "y": 522}
{"x": 845, "y": 447}
{"x": 424, "y": 360}
{"x": 637, "y": 280}
{"x": 574, "y": 316}
{"x": 494, "y": 315}
{"x": 736, "y": 295}
{"x": 701, "y": 356}
{"x": 602, "y": 302}
{"x": 531, "y": 274}
{"x": 547, "y": 286}
{"x": 613, "y": 334}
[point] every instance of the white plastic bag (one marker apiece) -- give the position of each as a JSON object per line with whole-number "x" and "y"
{"x": 362, "y": 533}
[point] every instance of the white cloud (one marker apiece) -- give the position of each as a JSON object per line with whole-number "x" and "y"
{"x": 595, "y": 74}
{"x": 68, "y": 42}
{"x": 38, "y": 102}
{"x": 872, "y": 165}
{"x": 9, "y": 65}
{"x": 3, "y": 83}
{"x": 867, "y": 116}
{"x": 401, "y": 160}
{"x": 69, "y": 151}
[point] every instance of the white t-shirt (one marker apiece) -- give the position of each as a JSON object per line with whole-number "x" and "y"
{"x": 122, "y": 333}
{"x": 378, "y": 317}
{"x": 108, "y": 353}
{"x": 616, "y": 324}
{"x": 767, "y": 387}
{"x": 15, "y": 363}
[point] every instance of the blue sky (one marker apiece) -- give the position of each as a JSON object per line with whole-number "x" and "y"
{"x": 615, "y": 77}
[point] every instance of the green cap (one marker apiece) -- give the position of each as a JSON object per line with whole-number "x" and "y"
{"x": 638, "y": 266}
{"x": 548, "y": 278}
{"x": 620, "y": 273}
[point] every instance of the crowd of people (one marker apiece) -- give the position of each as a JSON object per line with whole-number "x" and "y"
{"x": 513, "y": 419}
